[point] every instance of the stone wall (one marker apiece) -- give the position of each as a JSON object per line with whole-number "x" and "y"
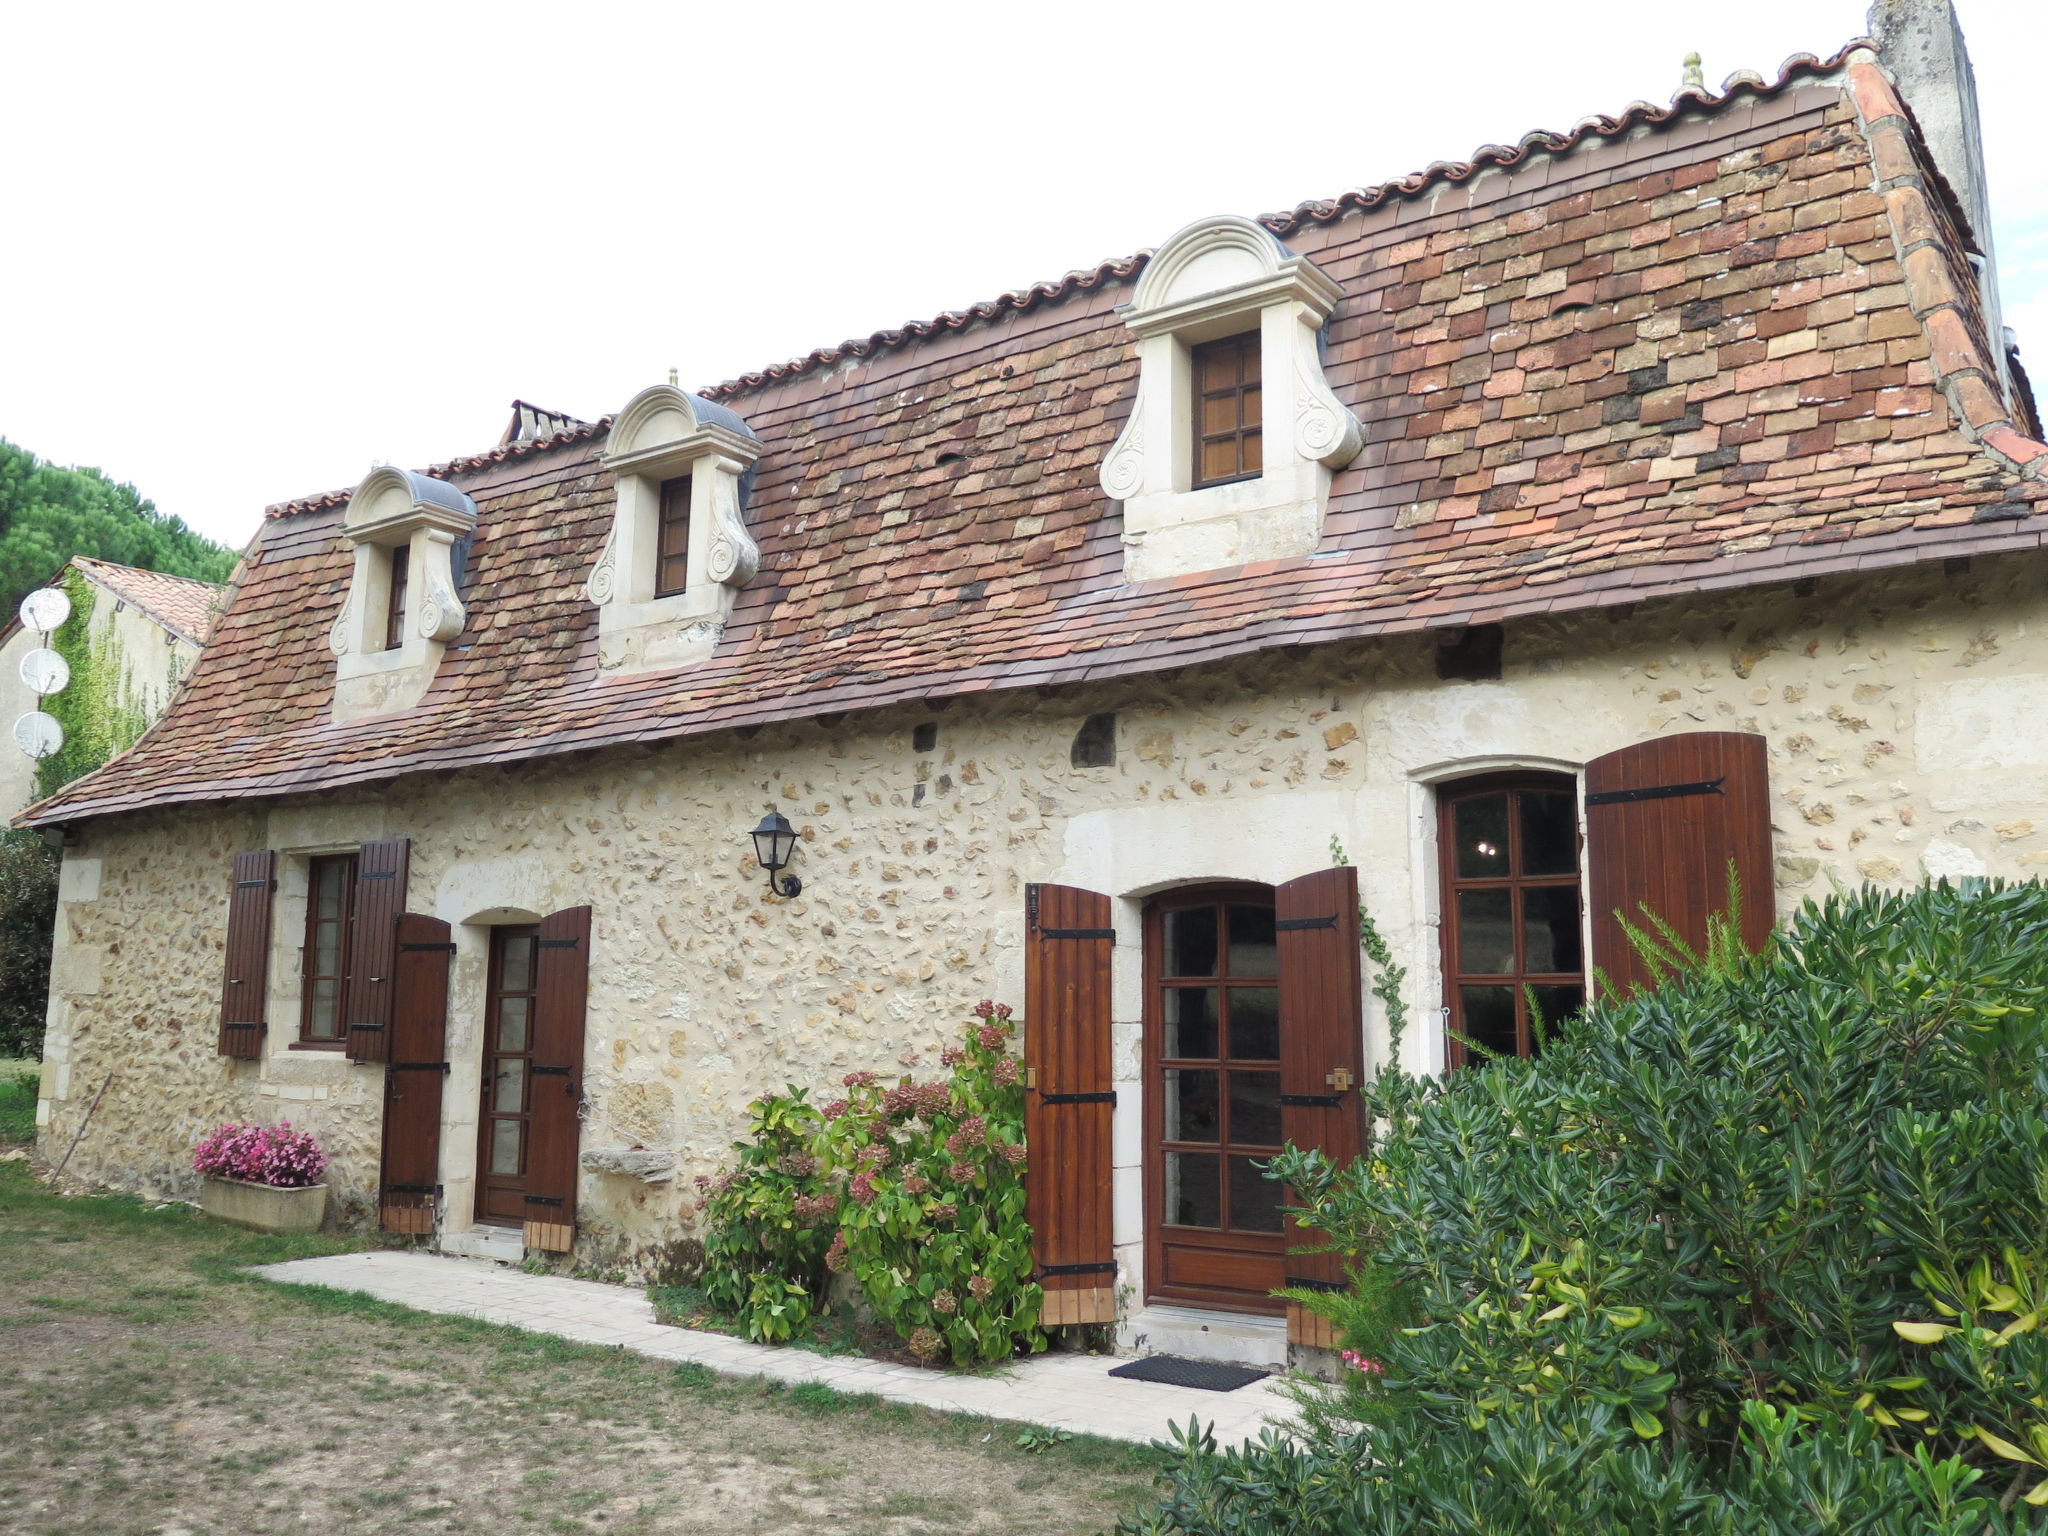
{"x": 1907, "y": 737}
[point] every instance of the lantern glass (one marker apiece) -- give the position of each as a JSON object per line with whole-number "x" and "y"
{"x": 774, "y": 840}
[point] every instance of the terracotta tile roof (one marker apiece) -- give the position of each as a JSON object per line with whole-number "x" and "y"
{"x": 1706, "y": 352}
{"x": 181, "y": 604}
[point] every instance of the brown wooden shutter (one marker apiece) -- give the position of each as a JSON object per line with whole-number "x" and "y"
{"x": 1068, "y": 1103}
{"x": 1322, "y": 1058}
{"x": 562, "y": 986}
{"x": 409, "y": 1183}
{"x": 380, "y": 898}
{"x": 244, "y": 991}
{"x": 1664, "y": 820}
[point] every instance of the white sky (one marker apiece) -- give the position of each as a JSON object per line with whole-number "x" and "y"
{"x": 249, "y": 252}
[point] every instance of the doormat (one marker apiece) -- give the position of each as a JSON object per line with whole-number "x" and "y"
{"x": 1173, "y": 1371}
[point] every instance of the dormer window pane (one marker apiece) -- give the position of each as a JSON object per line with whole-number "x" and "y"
{"x": 1228, "y": 410}
{"x": 672, "y": 569}
{"x": 394, "y": 610}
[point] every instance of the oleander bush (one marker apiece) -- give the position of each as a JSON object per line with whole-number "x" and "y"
{"x": 1764, "y": 1249}
{"x": 914, "y": 1189}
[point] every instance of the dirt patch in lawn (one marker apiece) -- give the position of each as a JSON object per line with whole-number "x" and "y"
{"x": 148, "y": 1387}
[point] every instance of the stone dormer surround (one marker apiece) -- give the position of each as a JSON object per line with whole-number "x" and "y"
{"x": 1221, "y": 277}
{"x": 394, "y": 509}
{"x": 664, "y": 434}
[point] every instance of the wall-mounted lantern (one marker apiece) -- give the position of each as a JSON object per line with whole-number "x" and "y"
{"x": 774, "y": 841}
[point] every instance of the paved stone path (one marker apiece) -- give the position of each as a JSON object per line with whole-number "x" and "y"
{"x": 1059, "y": 1391}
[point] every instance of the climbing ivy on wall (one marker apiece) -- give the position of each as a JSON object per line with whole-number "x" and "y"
{"x": 98, "y": 709}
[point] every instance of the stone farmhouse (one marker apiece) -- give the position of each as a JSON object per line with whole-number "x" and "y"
{"x": 1631, "y": 505}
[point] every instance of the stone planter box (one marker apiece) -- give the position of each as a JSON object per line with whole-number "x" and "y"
{"x": 264, "y": 1206}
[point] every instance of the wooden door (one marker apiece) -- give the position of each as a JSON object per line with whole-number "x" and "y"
{"x": 1322, "y": 1060}
{"x": 1666, "y": 822}
{"x": 504, "y": 1141}
{"x": 415, "y": 1075}
{"x": 1216, "y": 1232}
{"x": 1068, "y": 1103}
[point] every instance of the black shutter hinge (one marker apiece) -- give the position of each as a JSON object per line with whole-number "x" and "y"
{"x": 1303, "y": 1283}
{"x": 1296, "y": 924}
{"x": 413, "y": 1189}
{"x": 1076, "y": 1269}
{"x": 549, "y": 1071}
{"x": 441, "y": 949}
{"x": 1077, "y": 933}
{"x": 1311, "y": 1100}
{"x": 1654, "y": 792}
{"x": 555, "y": 1200}
{"x": 1077, "y": 1098}
{"x": 378, "y": 874}
{"x": 553, "y": 943}
{"x": 441, "y": 1067}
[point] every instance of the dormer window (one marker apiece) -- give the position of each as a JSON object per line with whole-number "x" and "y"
{"x": 679, "y": 550}
{"x": 402, "y": 607}
{"x": 1228, "y": 421}
{"x": 394, "y": 600}
{"x": 1227, "y": 322}
{"x": 672, "y": 575}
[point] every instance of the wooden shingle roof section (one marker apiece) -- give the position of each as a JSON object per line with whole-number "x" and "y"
{"x": 1724, "y": 348}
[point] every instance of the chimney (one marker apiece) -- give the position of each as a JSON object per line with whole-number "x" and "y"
{"x": 1921, "y": 45}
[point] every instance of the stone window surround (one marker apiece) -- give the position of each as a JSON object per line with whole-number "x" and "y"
{"x": 1220, "y": 277}
{"x": 664, "y": 434}
{"x": 393, "y": 507}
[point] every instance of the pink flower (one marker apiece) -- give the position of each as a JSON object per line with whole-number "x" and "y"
{"x": 1001, "y": 1010}
{"x": 862, "y": 1189}
{"x": 901, "y": 1101}
{"x": 1006, "y": 1073}
{"x": 984, "y": 1009}
{"x": 835, "y": 1257}
{"x": 925, "y": 1343}
{"x": 859, "y": 1080}
{"x": 980, "y": 1287}
{"x": 1358, "y": 1362}
{"x": 934, "y": 1099}
{"x": 992, "y": 1036}
{"x": 798, "y": 1165}
{"x": 875, "y": 1156}
{"x": 259, "y": 1154}
{"x": 1013, "y": 1152}
{"x": 952, "y": 1056}
{"x": 961, "y": 1173}
{"x": 944, "y": 1210}
{"x": 916, "y": 1184}
{"x": 945, "y": 1302}
{"x": 836, "y": 1108}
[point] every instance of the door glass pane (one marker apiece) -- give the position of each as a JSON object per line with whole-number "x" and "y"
{"x": 505, "y": 1146}
{"x": 1482, "y": 835}
{"x": 1255, "y": 1023}
{"x": 1255, "y": 1200}
{"x": 1489, "y": 1020}
{"x": 517, "y": 975}
{"x": 1191, "y": 942}
{"x": 330, "y": 884}
{"x": 1189, "y": 1099}
{"x": 1550, "y": 929}
{"x": 1486, "y": 933}
{"x": 1190, "y": 1023}
{"x": 512, "y": 1023}
{"x": 1255, "y": 1109}
{"x": 1550, "y": 833}
{"x": 509, "y": 1095}
{"x": 1553, "y": 1005}
{"x": 1192, "y": 1196}
{"x": 1254, "y": 449}
{"x": 327, "y": 949}
{"x": 325, "y": 1022}
{"x": 1252, "y": 952}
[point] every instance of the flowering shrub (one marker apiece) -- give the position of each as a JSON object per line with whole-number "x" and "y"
{"x": 768, "y": 1222}
{"x": 914, "y": 1189}
{"x": 275, "y": 1155}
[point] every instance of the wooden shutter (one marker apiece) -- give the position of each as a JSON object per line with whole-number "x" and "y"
{"x": 244, "y": 991}
{"x": 1664, "y": 820}
{"x": 1068, "y": 1103}
{"x": 409, "y": 1182}
{"x": 380, "y": 899}
{"x": 561, "y": 989}
{"x": 1322, "y": 1058}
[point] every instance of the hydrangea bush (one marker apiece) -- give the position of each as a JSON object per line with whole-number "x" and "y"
{"x": 914, "y": 1189}
{"x": 275, "y": 1155}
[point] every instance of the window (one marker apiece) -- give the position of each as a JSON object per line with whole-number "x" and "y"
{"x": 1514, "y": 965}
{"x": 394, "y": 603}
{"x": 1228, "y": 441}
{"x": 330, "y": 935}
{"x": 505, "y": 1122}
{"x": 672, "y": 551}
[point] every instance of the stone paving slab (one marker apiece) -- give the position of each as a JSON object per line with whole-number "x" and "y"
{"x": 1058, "y": 1391}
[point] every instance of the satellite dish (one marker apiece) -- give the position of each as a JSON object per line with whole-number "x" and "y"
{"x": 39, "y": 735}
{"x": 44, "y": 609}
{"x": 45, "y": 672}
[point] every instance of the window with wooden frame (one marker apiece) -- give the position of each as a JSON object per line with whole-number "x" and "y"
{"x": 672, "y": 540}
{"x": 394, "y": 602}
{"x": 330, "y": 946}
{"x": 1513, "y": 947}
{"x": 1229, "y": 410}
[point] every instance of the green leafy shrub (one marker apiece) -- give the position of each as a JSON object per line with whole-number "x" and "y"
{"x": 768, "y": 1223}
{"x": 1655, "y": 1273}
{"x": 28, "y": 914}
{"x": 933, "y": 1227}
{"x": 915, "y": 1189}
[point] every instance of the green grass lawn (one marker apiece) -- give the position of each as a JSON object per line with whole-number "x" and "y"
{"x": 148, "y": 1384}
{"x": 18, "y": 1103}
